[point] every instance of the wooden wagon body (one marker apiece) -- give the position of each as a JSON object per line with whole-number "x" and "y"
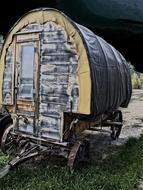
{"x": 56, "y": 74}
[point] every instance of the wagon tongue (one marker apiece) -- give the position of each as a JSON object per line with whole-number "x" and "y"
{"x": 25, "y": 154}
{"x": 5, "y": 170}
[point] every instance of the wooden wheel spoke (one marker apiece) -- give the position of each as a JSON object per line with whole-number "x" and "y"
{"x": 7, "y": 142}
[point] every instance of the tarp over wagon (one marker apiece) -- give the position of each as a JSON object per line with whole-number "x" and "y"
{"x": 103, "y": 74}
{"x": 110, "y": 75}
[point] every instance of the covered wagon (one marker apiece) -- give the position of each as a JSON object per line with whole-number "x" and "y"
{"x": 57, "y": 78}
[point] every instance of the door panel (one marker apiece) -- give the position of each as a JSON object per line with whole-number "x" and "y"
{"x": 26, "y": 82}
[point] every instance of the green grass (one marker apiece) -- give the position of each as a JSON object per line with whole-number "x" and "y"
{"x": 120, "y": 171}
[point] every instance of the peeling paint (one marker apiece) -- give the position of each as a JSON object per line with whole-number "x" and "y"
{"x": 7, "y": 82}
{"x": 58, "y": 90}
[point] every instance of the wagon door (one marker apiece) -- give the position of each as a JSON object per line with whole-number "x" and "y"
{"x": 26, "y": 81}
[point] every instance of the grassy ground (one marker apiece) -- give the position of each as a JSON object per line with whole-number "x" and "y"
{"x": 117, "y": 172}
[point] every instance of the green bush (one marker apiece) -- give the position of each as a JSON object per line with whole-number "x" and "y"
{"x": 136, "y": 81}
{"x": 141, "y": 79}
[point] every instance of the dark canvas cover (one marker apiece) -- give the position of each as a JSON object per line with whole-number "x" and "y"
{"x": 110, "y": 75}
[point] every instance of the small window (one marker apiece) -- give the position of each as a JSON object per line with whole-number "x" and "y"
{"x": 26, "y": 71}
{"x": 27, "y": 61}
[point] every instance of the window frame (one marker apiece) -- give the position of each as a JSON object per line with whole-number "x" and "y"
{"x": 21, "y": 39}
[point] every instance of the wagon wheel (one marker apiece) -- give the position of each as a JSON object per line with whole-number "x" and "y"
{"x": 116, "y": 129}
{"x": 79, "y": 153}
{"x": 8, "y": 142}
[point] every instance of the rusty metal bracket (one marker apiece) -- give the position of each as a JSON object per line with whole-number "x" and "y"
{"x": 73, "y": 154}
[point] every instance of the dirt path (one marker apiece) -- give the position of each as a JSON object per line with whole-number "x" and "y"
{"x": 100, "y": 141}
